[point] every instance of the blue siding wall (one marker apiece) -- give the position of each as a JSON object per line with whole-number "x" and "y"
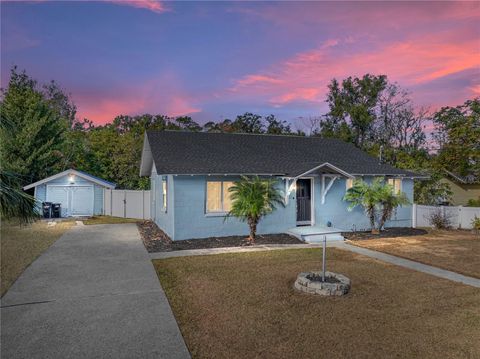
{"x": 192, "y": 222}
{"x": 403, "y": 215}
{"x": 185, "y": 217}
{"x": 335, "y": 209}
{"x": 163, "y": 217}
{"x": 41, "y": 191}
{"x": 97, "y": 199}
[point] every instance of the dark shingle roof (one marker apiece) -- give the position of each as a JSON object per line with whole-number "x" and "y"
{"x": 176, "y": 152}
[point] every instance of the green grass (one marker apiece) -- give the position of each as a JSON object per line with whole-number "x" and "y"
{"x": 244, "y": 306}
{"x": 22, "y": 244}
{"x": 109, "y": 220}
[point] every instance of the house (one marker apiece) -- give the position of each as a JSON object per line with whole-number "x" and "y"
{"x": 464, "y": 188}
{"x": 79, "y": 193}
{"x": 191, "y": 172}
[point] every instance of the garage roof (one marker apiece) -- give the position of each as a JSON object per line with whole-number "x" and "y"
{"x": 78, "y": 173}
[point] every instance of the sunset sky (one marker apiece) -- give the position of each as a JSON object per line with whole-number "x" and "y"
{"x": 214, "y": 60}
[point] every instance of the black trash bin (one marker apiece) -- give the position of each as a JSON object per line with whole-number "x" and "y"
{"x": 47, "y": 209}
{"x": 56, "y": 210}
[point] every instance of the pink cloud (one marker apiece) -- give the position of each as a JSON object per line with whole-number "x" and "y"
{"x": 156, "y": 96}
{"x": 152, "y": 5}
{"x": 412, "y": 62}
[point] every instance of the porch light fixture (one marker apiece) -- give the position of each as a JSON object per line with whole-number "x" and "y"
{"x": 71, "y": 179}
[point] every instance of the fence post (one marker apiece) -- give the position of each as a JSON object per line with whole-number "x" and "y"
{"x": 460, "y": 216}
{"x": 111, "y": 202}
{"x": 125, "y": 203}
{"x": 104, "y": 200}
{"x": 414, "y": 215}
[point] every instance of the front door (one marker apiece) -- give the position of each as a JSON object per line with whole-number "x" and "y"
{"x": 304, "y": 201}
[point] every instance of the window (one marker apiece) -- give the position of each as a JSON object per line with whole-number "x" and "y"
{"x": 218, "y": 197}
{"x": 164, "y": 193}
{"x": 396, "y": 183}
{"x": 348, "y": 183}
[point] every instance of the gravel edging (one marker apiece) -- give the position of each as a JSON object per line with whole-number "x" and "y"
{"x": 155, "y": 240}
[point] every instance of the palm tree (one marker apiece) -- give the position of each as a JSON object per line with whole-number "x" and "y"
{"x": 389, "y": 201}
{"x": 377, "y": 199}
{"x": 252, "y": 198}
{"x": 367, "y": 196}
{"x": 14, "y": 203}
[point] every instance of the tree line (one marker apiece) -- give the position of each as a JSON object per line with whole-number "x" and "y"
{"x": 378, "y": 116}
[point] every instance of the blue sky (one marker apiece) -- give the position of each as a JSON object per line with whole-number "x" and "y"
{"x": 213, "y": 60}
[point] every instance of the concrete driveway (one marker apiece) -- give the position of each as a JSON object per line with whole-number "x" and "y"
{"x": 92, "y": 294}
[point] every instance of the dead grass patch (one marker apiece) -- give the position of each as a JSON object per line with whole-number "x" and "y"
{"x": 109, "y": 220}
{"x": 22, "y": 244}
{"x": 458, "y": 251}
{"x": 244, "y": 306}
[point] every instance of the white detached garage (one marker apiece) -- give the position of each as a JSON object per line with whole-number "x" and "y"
{"x": 79, "y": 193}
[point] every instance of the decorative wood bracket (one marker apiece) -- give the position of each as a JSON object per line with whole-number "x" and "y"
{"x": 326, "y": 186}
{"x": 289, "y": 187}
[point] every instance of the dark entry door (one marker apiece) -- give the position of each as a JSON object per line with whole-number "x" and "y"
{"x": 304, "y": 195}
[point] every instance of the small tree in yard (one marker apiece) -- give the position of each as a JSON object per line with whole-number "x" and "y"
{"x": 378, "y": 200}
{"x": 253, "y": 198}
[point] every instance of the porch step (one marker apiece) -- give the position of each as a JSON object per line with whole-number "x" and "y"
{"x": 314, "y": 234}
{"x": 318, "y": 238}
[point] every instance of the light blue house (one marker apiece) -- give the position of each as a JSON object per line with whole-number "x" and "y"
{"x": 79, "y": 193}
{"x": 190, "y": 174}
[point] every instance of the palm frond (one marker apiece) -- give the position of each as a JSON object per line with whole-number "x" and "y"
{"x": 14, "y": 203}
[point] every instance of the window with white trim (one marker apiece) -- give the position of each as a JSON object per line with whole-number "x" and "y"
{"x": 164, "y": 193}
{"x": 396, "y": 183}
{"x": 348, "y": 183}
{"x": 218, "y": 197}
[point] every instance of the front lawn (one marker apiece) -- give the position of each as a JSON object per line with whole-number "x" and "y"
{"x": 109, "y": 220}
{"x": 244, "y": 306}
{"x": 22, "y": 244}
{"x": 456, "y": 250}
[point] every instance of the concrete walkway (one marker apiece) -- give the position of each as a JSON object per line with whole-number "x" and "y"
{"x": 209, "y": 251}
{"x": 93, "y": 294}
{"x": 441, "y": 273}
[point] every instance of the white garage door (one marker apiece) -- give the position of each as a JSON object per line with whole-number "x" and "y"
{"x": 82, "y": 200}
{"x": 59, "y": 194}
{"x": 75, "y": 200}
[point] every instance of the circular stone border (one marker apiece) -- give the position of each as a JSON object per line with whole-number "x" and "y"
{"x": 306, "y": 285}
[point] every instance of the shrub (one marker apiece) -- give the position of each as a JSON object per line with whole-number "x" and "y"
{"x": 476, "y": 224}
{"x": 377, "y": 199}
{"x": 439, "y": 219}
{"x": 473, "y": 202}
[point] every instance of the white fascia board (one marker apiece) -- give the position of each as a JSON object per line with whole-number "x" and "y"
{"x": 329, "y": 165}
{"x": 70, "y": 172}
{"x": 147, "y": 158}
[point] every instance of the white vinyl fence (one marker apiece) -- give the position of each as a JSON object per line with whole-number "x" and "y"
{"x": 461, "y": 217}
{"x": 126, "y": 203}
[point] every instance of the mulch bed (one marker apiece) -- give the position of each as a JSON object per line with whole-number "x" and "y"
{"x": 386, "y": 233}
{"x": 155, "y": 240}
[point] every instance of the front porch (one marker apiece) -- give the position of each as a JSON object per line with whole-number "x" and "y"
{"x": 315, "y": 234}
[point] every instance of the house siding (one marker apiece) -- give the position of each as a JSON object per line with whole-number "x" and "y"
{"x": 335, "y": 210}
{"x": 462, "y": 193}
{"x": 164, "y": 218}
{"x": 191, "y": 221}
{"x": 97, "y": 199}
{"x": 186, "y": 218}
